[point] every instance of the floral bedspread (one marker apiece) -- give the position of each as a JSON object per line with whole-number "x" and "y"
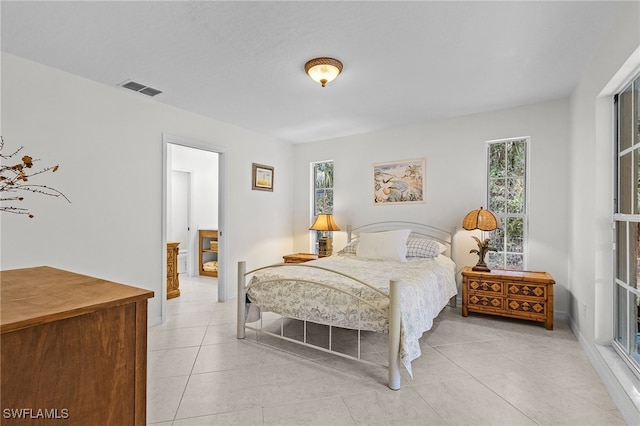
{"x": 427, "y": 287}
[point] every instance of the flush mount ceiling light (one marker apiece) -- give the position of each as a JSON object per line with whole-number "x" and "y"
{"x": 323, "y": 70}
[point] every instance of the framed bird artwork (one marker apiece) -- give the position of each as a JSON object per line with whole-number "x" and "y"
{"x": 399, "y": 182}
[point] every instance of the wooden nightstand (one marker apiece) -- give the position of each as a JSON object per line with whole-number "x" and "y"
{"x": 514, "y": 294}
{"x": 299, "y": 257}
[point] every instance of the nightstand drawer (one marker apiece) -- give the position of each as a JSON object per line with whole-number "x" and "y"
{"x": 486, "y": 301}
{"x": 527, "y": 306}
{"x": 528, "y": 290}
{"x": 496, "y": 287}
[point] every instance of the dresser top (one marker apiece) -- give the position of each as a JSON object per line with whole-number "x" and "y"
{"x": 40, "y": 295}
{"x": 502, "y": 274}
{"x": 305, "y": 256}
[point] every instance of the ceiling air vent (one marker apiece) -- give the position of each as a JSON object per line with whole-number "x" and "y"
{"x": 140, "y": 88}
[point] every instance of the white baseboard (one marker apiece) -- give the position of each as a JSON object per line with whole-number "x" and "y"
{"x": 153, "y": 321}
{"x": 560, "y": 315}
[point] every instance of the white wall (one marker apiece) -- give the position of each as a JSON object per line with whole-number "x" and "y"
{"x": 592, "y": 152}
{"x": 203, "y": 165}
{"x": 108, "y": 143}
{"x": 590, "y": 265}
{"x": 455, "y": 183}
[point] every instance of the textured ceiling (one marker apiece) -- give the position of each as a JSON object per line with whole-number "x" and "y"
{"x": 243, "y": 62}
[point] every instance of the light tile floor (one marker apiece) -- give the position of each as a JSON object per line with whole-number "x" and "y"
{"x": 478, "y": 370}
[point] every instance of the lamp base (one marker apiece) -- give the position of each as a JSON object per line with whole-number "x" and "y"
{"x": 483, "y": 248}
{"x": 325, "y": 247}
{"x": 481, "y": 268}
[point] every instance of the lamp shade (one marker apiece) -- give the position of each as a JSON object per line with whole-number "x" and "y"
{"x": 484, "y": 220}
{"x": 324, "y": 222}
{"x": 323, "y": 70}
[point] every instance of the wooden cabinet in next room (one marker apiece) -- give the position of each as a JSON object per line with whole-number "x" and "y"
{"x": 208, "y": 252}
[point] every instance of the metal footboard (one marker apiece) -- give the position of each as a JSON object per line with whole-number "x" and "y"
{"x": 393, "y": 317}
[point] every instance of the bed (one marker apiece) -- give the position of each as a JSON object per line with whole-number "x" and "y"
{"x": 392, "y": 278}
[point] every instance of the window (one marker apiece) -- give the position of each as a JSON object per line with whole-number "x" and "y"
{"x": 322, "y": 188}
{"x": 322, "y": 174}
{"x": 507, "y": 197}
{"x": 627, "y": 220}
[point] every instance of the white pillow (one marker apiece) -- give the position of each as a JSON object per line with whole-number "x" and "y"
{"x": 388, "y": 245}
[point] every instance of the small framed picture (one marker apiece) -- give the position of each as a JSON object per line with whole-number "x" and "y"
{"x": 261, "y": 177}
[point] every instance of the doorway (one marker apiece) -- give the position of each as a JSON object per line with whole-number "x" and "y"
{"x": 193, "y": 200}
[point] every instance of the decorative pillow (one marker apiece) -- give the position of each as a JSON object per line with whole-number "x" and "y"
{"x": 350, "y": 248}
{"x": 424, "y": 247}
{"x": 388, "y": 245}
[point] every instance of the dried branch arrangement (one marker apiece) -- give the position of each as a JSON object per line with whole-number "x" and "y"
{"x": 14, "y": 179}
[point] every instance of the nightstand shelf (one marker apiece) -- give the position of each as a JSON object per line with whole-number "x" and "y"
{"x": 515, "y": 294}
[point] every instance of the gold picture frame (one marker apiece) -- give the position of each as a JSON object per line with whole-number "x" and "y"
{"x": 261, "y": 177}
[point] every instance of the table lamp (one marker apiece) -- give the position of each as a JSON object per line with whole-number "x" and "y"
{"x": 484, "y": 220}
{"x": 324, "y": 223}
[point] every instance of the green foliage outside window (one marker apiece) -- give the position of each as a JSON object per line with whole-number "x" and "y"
{"x": 626, "y": 250}
{"x": 323, "y": 188}
{"x": 507, "y": 174}
{"x": 323, "y": 191}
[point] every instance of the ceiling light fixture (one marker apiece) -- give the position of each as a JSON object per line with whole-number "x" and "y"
{"x": 323, "y": 70}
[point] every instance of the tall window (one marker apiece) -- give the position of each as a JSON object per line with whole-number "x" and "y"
{"x": 627, "y": 218}
{"x": 507, "y": 197}
{"x": 322, "y": 174}
{"x": 323, "y": 188}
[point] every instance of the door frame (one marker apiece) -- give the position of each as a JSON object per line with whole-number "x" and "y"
{"x": 222, "y": 212}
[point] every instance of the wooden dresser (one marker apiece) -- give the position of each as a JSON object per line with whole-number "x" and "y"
{"x": 173, "y": 283}
{"x": 73, "y": 349}
{"x": 515, "y": 294}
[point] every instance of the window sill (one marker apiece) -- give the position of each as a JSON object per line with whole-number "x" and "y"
{"x": 621, "y": 383}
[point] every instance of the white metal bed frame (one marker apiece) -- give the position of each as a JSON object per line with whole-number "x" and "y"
{"x": 417, "y": 230}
